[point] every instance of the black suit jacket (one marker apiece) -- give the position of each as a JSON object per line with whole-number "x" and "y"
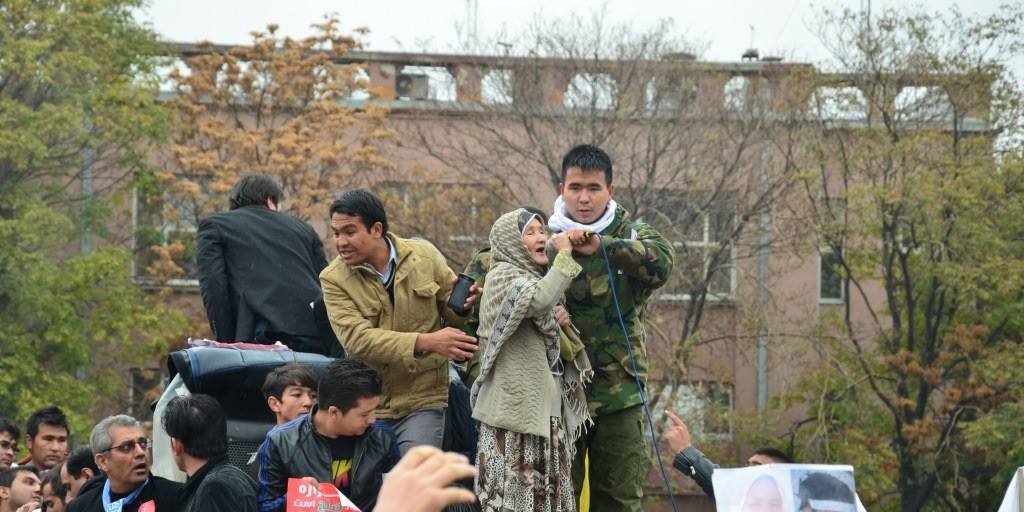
{"x": 256, "y": 263}
{"x": 163, "y": 494}
{"x": 218, "y": 487}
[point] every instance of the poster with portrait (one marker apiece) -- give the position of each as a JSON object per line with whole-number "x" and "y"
{"x": 305, "y": 497}
{"x": 1014, "y": 492}
{"x": 786, "y": 488}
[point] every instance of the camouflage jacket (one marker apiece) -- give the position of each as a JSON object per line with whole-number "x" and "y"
{"x": 477, "y": 269}
{"x": 642, "y": 260}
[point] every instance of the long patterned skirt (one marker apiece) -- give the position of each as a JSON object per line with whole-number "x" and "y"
{"x": 524, "y": 472}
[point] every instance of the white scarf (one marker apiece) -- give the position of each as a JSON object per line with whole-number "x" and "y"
{"x": 560, "y": 220}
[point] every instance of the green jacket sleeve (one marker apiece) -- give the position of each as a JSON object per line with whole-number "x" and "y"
{"x": 551, "y": 287}
{"x": 648, "y": 258}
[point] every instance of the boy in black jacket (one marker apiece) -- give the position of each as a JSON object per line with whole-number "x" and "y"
{"x": 337, "y": 442}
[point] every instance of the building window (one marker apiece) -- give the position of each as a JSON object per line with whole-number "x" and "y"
{"x": 831, "y": 285}
{"x": 704, "y": 406}
{"x": 704, "y": 258}
{"x": 164, "y": 239}
{"x": 592, "y": 91}
{"x": 145, "y": 387}
{"x": 496, "y": 87}
{"x": 701, "y": 232}
{"x": 838, "y": 104}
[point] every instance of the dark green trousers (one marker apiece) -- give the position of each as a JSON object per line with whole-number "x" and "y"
{"x": 618, "y": 461}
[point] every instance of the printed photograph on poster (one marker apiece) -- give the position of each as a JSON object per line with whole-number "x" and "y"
{"x": 786, "y": 488}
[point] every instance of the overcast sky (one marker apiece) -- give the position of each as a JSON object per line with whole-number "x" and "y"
{"x": 780, "y": 26}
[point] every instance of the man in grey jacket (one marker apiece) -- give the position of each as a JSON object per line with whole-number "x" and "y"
{"x": 694, "y": 464}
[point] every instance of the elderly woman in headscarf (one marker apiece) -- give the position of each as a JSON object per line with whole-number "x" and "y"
{"x": 529, "y": 397}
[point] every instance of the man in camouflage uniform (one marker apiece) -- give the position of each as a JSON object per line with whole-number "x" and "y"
{"x": 641, "y": 261}
{"x": 477, "y": 269}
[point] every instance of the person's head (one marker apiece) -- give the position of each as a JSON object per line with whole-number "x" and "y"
{"x": 18, "y": 486}
{"x": 822, "y": 492}
{"x": 763, "y": 496}
{"x": 768, "y": 456}
{"x": 586, "y": 185}
{"x": 290, "y": 391}
{"x": 538, "y": 212}
{"x": 517, "y": 238}
{"x": 54, "y": 493}
{"x": 256, "y": 190}
{"x": 9, "y": 434}
{"x": 197, "y": 428}
{"x": 347, "y": 398}
{"x": 535, "y": 235}
{"x": 121, "y": 451}
{"x": 78, "y": 469}
{"x": 359, "y": 224}
{"x": 46, "y": 437}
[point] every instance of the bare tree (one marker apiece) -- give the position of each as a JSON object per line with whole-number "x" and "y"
{"x": 282, "y": 107}
{"x": 698, "y": 148}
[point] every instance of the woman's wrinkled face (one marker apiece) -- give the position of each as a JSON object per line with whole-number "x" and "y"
{"x": 534, "y": 236}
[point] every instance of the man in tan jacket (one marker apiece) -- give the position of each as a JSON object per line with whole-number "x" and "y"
{"x": 387, "y": 299}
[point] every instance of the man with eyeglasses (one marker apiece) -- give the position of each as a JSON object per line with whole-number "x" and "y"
{"x": 122, "y": 452}
{"x": 9, "y": 434}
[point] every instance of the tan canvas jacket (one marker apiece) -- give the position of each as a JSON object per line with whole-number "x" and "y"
{"x": 384, "y": 336}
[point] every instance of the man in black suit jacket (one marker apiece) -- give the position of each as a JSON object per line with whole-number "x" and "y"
{"x": 259, "y": 268}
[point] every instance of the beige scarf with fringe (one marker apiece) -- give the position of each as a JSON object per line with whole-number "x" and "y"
{"x": 512, "y": 282}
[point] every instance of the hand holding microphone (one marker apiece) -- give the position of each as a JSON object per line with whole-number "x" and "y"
{"x": 584, "y": 241}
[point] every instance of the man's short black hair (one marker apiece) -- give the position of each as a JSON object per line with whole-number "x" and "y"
{"x": 80, "y": 459}
{"x": 51, "y": 415}
{"x": 8, "y": 475}
{"x": 291, "y": 374}
{"x": 587, "y": 157}
{"x": 345, "y": 382}
{"x": 11, "y": 428}
{"x": 57, "y": 487}
{"x": 198, "y": 422}
{"x": 254, "y": 189}
{"x": 363, "y": 204}
{"x": 823, "y": 486}
{"x": 778, "y": 455}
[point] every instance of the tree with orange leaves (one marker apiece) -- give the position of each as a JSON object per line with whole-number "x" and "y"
{"x": 283, "y": 107}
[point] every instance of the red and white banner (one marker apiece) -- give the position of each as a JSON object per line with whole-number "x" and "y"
{"x": 305, "y": 497}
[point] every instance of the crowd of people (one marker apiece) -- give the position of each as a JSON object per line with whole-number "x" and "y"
{"x": 550, "y": 340}
{"x": 112, "y": 472}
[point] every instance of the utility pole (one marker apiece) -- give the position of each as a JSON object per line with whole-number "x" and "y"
{"x": 88, "y": 156}
{"x": 472, "y": 22}
{"x": 764, "y": 239}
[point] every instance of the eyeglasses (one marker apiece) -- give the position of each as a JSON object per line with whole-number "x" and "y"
{"x": 129, "y": 445}
{"x": 9, "y": 445}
